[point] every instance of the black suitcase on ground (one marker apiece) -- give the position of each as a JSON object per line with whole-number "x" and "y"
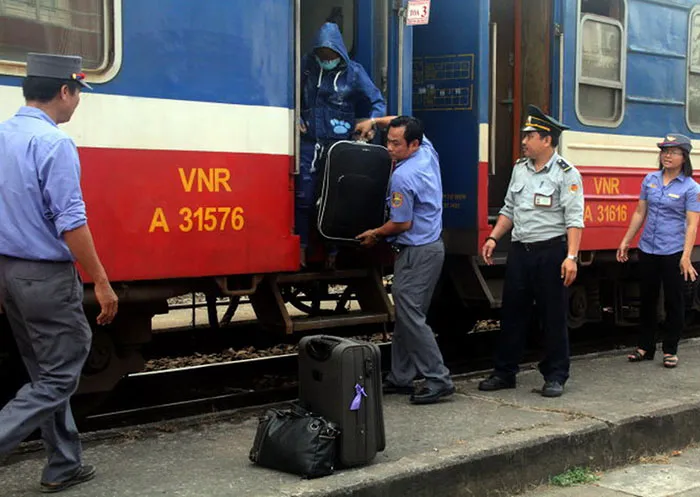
{"x": 334, "y": 374}
{"x": 354, "y": 189}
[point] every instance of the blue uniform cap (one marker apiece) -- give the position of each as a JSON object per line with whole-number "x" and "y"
{"x": 676, "y": 140}
{"x": 56, "y": 66}
{"x": 539, "y": 121}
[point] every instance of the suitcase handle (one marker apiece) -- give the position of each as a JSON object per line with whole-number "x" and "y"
{"x": 321, "y": 348}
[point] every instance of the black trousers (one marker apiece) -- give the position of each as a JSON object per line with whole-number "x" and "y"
{"x": 533, "y": 274}
{"x": 655, "y": 270}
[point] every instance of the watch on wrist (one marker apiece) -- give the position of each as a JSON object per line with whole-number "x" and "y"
{"x": 492, "y": 238}
{"x": 572, "y": 257}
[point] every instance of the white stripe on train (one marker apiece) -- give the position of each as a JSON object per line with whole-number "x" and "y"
{"x": 598, "y": 149}
{"x": 113, "y": 121}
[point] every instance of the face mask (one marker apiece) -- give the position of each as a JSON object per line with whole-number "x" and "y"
{"x": 328, "y": 65}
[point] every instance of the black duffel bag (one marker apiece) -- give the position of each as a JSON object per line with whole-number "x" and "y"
{"x": 295, "y": 441}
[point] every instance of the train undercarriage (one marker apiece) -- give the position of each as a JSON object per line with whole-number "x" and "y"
{"x": 326, "y": 300}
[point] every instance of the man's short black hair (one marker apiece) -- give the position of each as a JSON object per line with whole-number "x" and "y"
{"x": 39, "y": 89}
{"x": 413, "y": 128}
{"x": 555, "y": 139}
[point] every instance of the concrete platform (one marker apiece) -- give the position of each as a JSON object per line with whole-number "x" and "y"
{"x": 473, "y": 444}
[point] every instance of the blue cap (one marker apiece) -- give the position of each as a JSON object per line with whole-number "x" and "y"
{"x": 676, "y": 140}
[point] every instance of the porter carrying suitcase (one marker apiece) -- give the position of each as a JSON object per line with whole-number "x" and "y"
{"x": 340, "y": 379}
{"x": 354, "y": 189}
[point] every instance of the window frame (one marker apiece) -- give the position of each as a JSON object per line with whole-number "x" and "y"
{"x": 695, "y": 128}
{"x": 622, "y": 85}
{"x": 112, "y": 40}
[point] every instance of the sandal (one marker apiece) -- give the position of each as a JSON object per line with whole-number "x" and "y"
{"x": 640, "y": 355}
{"x": 670, "y": 360}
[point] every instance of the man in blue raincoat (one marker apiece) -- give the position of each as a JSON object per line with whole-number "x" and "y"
{"x": 335, "y": 92}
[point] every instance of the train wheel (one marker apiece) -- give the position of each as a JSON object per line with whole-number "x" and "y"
{"x": 101, "y": 353}
{"x": 578, "y": 306}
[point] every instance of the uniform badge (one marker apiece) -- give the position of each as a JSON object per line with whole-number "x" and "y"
{"x": 543, "y": 200}
{"x": 573, "y": 188}
{"x": 396, "y": 199}
{"x": 670, "y": 138}
{"x": 673, "y": 195}
{"x": 652, "y": 185}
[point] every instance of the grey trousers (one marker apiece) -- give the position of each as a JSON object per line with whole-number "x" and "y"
{"x": 44, "y": 305}
{"x": 414, "y": 350}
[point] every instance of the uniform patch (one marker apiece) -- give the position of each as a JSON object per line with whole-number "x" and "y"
{"x": 673, "y": 195}
{"x": 670, "y": 138}
{"x": 573, "y": 188}
{"x": 652, "y": 185}
{"x": 396, "y": 199}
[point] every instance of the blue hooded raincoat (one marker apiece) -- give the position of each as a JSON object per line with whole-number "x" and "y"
{"x": 331, "y": 100}
{"x": 330, "y": 103}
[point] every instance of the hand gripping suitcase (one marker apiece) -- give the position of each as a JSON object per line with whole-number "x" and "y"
{"x": 354, "y": 189}
{"x": 340, "y": 379}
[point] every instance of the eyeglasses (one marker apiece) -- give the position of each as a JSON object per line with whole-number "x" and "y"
{"x": 671, "y": 151}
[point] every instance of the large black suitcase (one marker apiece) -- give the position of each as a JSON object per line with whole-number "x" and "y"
{"x": 340, "y": 379}
{"x": 354, "y": 189}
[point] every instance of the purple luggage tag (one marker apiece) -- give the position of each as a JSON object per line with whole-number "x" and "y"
{"x": 359, "y": 393}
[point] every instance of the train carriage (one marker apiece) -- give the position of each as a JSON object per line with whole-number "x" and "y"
{"x": 620, "y": 73}
{"x": 188, "y": 142}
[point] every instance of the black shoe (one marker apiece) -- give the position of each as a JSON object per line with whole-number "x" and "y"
{"x": 428, "y": 395}
{"x": 389, "y": 388}
{"x": 552, "y": 389}
{"x": 85, "y": 473}
{"x": 493, "y": 383}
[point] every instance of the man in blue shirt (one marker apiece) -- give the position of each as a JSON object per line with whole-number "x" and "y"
{"x": 43, "y": 231}
{"x": 415, "y": 227}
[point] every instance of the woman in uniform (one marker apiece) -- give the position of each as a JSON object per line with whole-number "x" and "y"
{"x": 670, "y": 204}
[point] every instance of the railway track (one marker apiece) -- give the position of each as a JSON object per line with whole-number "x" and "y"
{"x": 169, "y": 394}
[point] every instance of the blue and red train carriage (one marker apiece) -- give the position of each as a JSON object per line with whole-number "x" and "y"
{"x": 188, "y": 141}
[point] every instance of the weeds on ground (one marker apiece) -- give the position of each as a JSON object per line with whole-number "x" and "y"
{"x": 574, "y": 476}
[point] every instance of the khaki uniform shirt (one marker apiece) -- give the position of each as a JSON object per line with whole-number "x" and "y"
{"x": 542, "y": 205}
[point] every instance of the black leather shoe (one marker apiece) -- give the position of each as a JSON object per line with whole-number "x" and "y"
{"x": 85, "y": 473}
{"x": 552, "y": 389}
{"x": 493, "y": 383}
{"x": 427, "y": 395}
{"x": 389, "y": 388}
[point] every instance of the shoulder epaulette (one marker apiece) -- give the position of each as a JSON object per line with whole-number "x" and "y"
{"x": 522, "y": 160}
{"x": 564, "y": 165}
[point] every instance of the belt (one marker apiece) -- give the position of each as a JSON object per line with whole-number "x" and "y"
{"x": 540, "y": 245}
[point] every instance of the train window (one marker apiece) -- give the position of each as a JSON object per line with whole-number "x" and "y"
{"x": 81, "y": 27}
{"x": 693, "y": 86}
{"x": 601, "y": 63}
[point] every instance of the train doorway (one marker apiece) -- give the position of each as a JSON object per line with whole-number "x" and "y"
{"x": 522, "y": 34}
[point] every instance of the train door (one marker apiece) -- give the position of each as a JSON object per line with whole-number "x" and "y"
{"x": 447, "y": 95}
{"x": 524, "y": 70}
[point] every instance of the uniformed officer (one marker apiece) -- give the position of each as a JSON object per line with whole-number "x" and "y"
{"x": 415, "y": 227}
{"x": 669, "y": 209}
{"x": 43, "y": 231}
{"x": 544, "y": 208}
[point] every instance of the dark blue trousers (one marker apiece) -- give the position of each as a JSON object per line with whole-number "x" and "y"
{"x": 533, "y": 275}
